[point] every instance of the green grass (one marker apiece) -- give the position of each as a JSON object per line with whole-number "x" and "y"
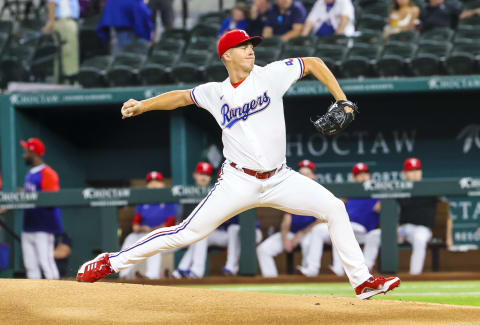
{"x": 451, "y": 292}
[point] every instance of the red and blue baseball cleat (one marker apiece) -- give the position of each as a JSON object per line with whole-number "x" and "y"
{"x": 96, "y": 269}
{"x": 376, "y": 285}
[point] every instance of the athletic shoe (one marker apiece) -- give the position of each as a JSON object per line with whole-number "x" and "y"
{"x": 305, "y": 272}
{"x": 96, "y": 269}
{"x": 337, "y": 272}
{"x": 180, "y": 274}
{"x": 227, "y": 272}
{"x": 376, "y": 285}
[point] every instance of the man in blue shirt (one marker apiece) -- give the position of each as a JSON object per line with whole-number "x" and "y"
{"x": 62, "y": 18}
{"x": 147, "y": 218}
{"x": 285, "y": 19}
{"x": 365, "y": 217}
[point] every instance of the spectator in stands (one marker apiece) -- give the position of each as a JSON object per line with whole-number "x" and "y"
{"x": 365, "y": 216}
{"x": 258, "y": 17}
{"x": 329, "y": 17}
{"x": 441, "y": 14}
{"x": 306, "y": 231}
{"x": 149, "y": 217}
{"x": 165, "y": 8}
{"x": 39, "y": 224}
{"x": 236, "y": 20}
{"x": 62, "y": 18}
{"x": 402, "y": 17}
{"x": 130, "y": 19}
{"x": 285, "y": 19}
{"x": 63, "y": 249}
{"x": 417, "y": 218}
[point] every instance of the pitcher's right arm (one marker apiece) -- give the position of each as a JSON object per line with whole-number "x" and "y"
{"x": 167, "y": 101}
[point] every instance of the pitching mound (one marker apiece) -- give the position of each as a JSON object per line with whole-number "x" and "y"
{"x": 68, "y": 302}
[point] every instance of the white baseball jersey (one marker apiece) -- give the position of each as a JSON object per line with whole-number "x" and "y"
{"x": 251, "y": 115}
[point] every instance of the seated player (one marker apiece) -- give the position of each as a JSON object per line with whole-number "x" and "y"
{"x": 417, "y": 218}
{"x": 147, "y": 218}
{"x": 305, "y": 231}
{"x": 364, "y": 216}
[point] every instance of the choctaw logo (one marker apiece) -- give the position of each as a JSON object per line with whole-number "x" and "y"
{"x": 105, "y": 193}
{"x": 233, "y": 115}
{"x": 387, "y": 186}
{"x": 468, "y": 182}
{"x": 471, "y": 134}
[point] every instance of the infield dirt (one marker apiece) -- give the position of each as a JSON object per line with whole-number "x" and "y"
{"x": 69, "y": 302}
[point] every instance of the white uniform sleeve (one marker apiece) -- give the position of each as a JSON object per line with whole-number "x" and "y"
{"x": 204, "y": 96}
{"x": 283, "y": 74}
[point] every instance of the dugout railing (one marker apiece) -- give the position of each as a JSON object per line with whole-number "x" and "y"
{"x": 109, "y": 199}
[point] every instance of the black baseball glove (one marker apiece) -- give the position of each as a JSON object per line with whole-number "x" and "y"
{"x": 336, "y": 119}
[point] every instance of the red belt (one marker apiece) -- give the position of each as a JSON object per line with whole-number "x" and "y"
{"x": 254, "y": 173}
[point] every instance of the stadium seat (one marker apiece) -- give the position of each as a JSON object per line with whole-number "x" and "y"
{"x": 437, "y": 34}
{"x": 213, "y": 17}
{"x": 124, "y": 69}
{"x": 471, "y": 21}
{"x": 47, "y": 50}
{"x": 176, "y": 34}
{"x": 92, "y": 72}
{"x": 467, "y": 46}
{"x": 371, "y": 22}
{"x": 461, "y": 63}
{"x": 308, "y": 41}
{"x": 272, "y": 42}
{"x": 429, "y": 57}
{"x": 405, "y": 36}
{"x": 203, "y": 44}
{"x": 16, "y": 60}
{"x": 174, "y": 46}
{"x": 379, "y": 8}
{"x": 367, "y": 36}
{"x": 297, "y": 51}
{"x": 395, "y": 59}
{"x": 191, "y": 67}
{"x": 203, "y": 31}
{"x": 358, "y": 62}
{"x": 334, "y": 39}
{"x": 467, "y": 32}
{"x": 139, "y": 47}
{"x": 89, "y": 42}
{"x": 6, "y": 26}
{"x": 267, "y": 55}
{"x": 332, "y": 55}
{"x": 157, "y": 68}
{"x": 216, "y": 71}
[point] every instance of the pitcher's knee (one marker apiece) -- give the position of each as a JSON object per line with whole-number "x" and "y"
{"x": 336, "y": 209}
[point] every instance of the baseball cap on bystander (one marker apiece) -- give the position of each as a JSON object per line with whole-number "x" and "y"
{"x": 412, "y": 164}
{"x": 306, "y": 163}
{"x": 204, "y": 168}
{"x": 35, "y": 145}
{"x": 360, "y": 168}
{"x": 154, "y": 176}
{"x": 233, "y": 38}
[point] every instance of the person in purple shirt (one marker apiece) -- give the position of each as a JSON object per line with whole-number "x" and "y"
{"x": 285, "y": 19}
{"x": 365, "y": 217}
{"x": 258, "y": 17}
{"x": 147, "y": 218}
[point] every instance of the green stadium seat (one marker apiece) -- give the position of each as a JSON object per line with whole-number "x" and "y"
{"x": 191, "y": 67}
{"x": 467, "y": 32}
{"x": 461, "y": 63}
{"x": 441, "y": 49}
{"x": 89, "y": 43}
{"x": 297, "y": 51}
{"x": 332, "y": 55}
{"x": 267, "y": 55}
{"x": 334, "y": 39}
{"x": 438, "y": 34}
{"x": 308, "y": 41}
{"x": 369, "y": 37}
{"x": 213, "y": 17}
{"x": 395, "y": 59}
{"x": 467, "y": 46}
{"x": 47, "y": 50}
{"x": 174, "y": 46}
{"x": 203, "y": 44}
{"x": 216, "y": 71}
{"x": 92, "y": 72}
{"x": 138, "y": 47}
{"x": 406, "y": 36}
{"x": 472, "y": 21}
{"x": 16, "y": 61}
{"x": 359, "y": 61}
{"x": 272, "y": 42}
{"x": 429, "y": 57}
{"x": 176, "y": 34}
{"x": 371, "y": 22}
{"x": 124, "y": 69}
{"x": 380, "y": 8}
{"x": 153, "y": 73}
{"x": 203, "y": 31}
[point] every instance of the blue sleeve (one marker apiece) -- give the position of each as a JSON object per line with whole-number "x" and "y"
{"x": 242, "y": 25}
{"x": 224, "y": 26}
{"x": 299, "y": 13}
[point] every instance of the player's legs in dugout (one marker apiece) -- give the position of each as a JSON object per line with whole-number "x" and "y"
{"x": 292, "y": 192}
{"x": 233, "y": 193}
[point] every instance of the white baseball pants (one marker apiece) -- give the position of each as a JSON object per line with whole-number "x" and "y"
{"x": 195, "y": 257}
{"x": 37, "y": 249}
{"x": 311, "y": 245}
{"x": 150, "y": 268}
{"x": 418, "y": 236}
{"x": 371, "y": 245}
{"x": 236, "y": 192}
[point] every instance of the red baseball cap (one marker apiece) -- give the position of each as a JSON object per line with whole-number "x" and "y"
{"x": 233, "y": 38}
{"x": 204, "y": 167}
{"x": 412, "y": 164}
{"x": 154, "y": 176}
{"x": 360, "y": 168}
{"x": 306, "y": 163}
{"x": 34, "y": 144}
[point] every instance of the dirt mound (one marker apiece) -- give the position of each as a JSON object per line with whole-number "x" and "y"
{"x": 68, "y": 302}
